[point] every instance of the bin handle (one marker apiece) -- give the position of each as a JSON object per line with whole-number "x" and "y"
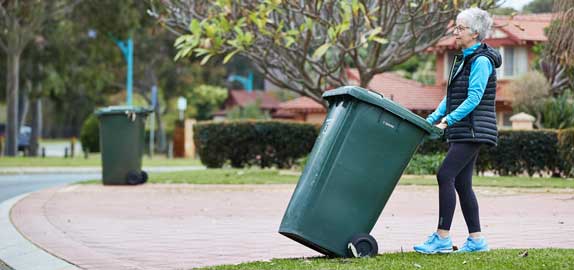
{"x": 377, "y": 94}
{"x": 131, "y": 115}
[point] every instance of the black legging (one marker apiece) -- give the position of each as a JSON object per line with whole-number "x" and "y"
{"x": 455, "y": 173}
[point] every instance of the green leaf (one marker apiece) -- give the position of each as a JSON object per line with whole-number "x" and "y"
{"x": 238, "y": 31}
{"x": 356, "y": 7}
{"x": 229, "y": 56}
{"x": 205, "y": 59}
{"x": 321, "y": 51}
{"x": 293, "y": 32}
{"x": 289, "y": 41}
{"x": 331, "y": 33}
{"x": 180, "y": 40}
{"x": 308, "y": 24}
{"x": 382, "y": 41}
{"x": 195, "y": 27}
{"x": 224, "y": 24}
{"x": 210, "y": 30}
{"x": 201, "y": 51}
{"x": 248, "y": 40}
{"x": 178, "y": 56}
{"x": 235, "y": 43}
{"x": 376, "y": 31}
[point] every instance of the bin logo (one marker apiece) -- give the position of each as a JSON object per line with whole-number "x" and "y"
{"x": 327, "y": 122}
{"x": 388, "y": 124}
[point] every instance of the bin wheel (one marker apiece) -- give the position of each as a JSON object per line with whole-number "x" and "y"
{"x": 134, "y": 178}
{"x": 144, "y": 177}
{"x": 363, "y": 245}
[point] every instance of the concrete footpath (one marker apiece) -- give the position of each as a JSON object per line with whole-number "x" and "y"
{"x": 187, "y": 226}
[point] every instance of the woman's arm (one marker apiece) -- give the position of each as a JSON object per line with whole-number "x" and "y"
{"x": 479, "y": 73}
{"x": 438, "y": 113}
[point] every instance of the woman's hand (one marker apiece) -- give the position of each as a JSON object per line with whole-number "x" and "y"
{"x": 443, "y": 124}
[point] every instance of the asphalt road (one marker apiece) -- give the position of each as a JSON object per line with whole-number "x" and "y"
{"x": 12, "y": 185}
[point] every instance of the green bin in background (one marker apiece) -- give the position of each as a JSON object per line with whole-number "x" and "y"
{"x": 122, "y": 140}
{"x": 364, "y": 145}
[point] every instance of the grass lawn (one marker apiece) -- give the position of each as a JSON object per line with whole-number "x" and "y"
{"x": 496, "y": 259}
{"x": 93, "y": 160}
{"x": 221, "y": 176}
{"x": 271, "y": 176}
{"x": 497, "y": 181}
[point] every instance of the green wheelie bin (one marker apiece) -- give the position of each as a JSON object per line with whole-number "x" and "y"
{"x": 122, "y": 140}
{"x": 364, "y": 145}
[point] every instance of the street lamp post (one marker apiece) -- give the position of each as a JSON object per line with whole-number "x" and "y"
{"x": 181, "y": 106}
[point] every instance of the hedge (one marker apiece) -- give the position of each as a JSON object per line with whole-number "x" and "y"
{"x": 533, "y": 152}
{"x": 247, "y": 143}
{"x": 281, "y": 143}
{"x": 518, "y": 151}
{"x": 431, "y": 147}
{"x": 566, "y": 148}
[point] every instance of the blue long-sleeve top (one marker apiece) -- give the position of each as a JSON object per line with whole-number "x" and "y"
{"x": 479, "y": 72}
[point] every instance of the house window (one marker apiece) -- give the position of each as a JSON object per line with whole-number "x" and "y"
{"x": 508, "y": 61}
{"x": 514, "y": 61}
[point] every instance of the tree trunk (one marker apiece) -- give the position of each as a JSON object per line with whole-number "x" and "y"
{"x": 23, "y": 103}
{"x": 36, "y": 126}
{"x": 12, "y": 86}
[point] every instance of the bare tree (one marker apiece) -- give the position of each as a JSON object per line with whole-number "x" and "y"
{"x": 307, "y": 46}
{"x": 561, "y": 33}
{"x": 557, "y": 59}
{"x": 20, "y": 21}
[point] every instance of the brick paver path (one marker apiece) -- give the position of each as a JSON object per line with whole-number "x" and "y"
{"x": 186, "y": 226}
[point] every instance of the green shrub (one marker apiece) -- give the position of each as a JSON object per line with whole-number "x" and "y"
{"x": 532, "y": 152}
{"x": 526, "y": 151}
{"x": 566, "y": 149}
{"x": 90, "y": 134}
{"x": 250, "y": 111}
{"x": 431, "y": 147}
{"x": 248, "y": 143}
{"x": 424, "y": 164}
{"x": 558, "y": 112}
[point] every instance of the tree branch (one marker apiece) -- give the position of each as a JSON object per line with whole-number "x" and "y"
{"x": 409, "y": 29}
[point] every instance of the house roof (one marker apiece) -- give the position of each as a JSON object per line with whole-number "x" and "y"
{"x": 410, "y": 94}
{"x": 243, "y": 98}
{"x": 520, "y": 29}
{"x": 301, "y": 104}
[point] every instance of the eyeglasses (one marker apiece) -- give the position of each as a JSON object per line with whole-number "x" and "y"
{"x": 460, "y": 28}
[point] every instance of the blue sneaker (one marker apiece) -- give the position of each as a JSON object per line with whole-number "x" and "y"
{"x": 435, "y": 244}
{"x": 474, "y": 245}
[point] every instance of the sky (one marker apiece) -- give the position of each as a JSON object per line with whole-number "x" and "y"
{"x": 516, "y": 4}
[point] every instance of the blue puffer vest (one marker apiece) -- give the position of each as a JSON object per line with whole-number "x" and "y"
{"x": 479, "y": 125}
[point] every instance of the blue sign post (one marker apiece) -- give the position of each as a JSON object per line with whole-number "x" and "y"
{"x": 127, "y": 48}
{"x": 247, "y": 82}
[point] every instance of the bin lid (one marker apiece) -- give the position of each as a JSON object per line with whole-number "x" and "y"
{"x": 122, "y": 110}
{"x": 377, "y": 99}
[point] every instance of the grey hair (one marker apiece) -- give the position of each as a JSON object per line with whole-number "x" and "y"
{"x": 478, "y": 20}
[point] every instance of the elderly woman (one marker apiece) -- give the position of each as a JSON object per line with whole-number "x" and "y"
{"x": 467, "y": 114}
